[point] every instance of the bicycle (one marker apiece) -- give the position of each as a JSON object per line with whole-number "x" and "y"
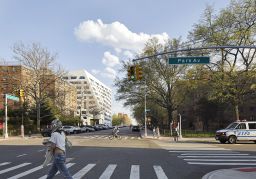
{"x": 114, "y": 136}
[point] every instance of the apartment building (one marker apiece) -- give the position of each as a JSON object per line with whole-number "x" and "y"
{"x": 93, "y": 98}
{"x": 14, "y": 76}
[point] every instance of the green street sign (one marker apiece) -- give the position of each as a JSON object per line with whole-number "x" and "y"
{"x": 14, "y": 98}
{"x": 189, "y": 60}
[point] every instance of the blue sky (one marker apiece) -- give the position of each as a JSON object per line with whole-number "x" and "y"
{"x": 96, "y": 35}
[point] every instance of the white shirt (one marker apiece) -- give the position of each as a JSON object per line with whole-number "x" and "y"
{"x": 58, "y": 139}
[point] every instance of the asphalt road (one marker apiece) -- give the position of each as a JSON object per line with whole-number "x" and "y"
{"x": 131, "y": 157}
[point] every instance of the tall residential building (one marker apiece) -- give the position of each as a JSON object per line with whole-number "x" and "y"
{"x": 93, "y": 98}
{"x": 14, "y": 76}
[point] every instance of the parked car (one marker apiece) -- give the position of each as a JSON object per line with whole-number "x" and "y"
{"x": 46, "y": 132}
{"x": 136, "y": 128}
{"x": 77, "y": 129}
{"x": 237, "y": 131}
{"x": 69, "y": 129}
{"x": 83, "y": 129}
{"x": 90, "y": 128}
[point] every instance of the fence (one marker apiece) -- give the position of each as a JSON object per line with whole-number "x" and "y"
{"x": 189, "y": 133}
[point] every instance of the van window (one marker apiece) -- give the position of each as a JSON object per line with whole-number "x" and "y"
{"x": 241, "y": 126}
{"x": 252, "y": 125}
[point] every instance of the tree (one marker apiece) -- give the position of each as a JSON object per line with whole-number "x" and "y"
{"x": 43, "y": 72}
{"x": 160, "y": 79}
{"x": 233, "y": 69}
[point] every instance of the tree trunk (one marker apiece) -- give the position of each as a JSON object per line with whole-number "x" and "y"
{"x": 237, "y": 112}
{"x": 38, "y": 106}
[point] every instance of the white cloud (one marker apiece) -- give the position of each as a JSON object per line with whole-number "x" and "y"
{"x": 128, "y": 54}
{"x": 95, "y": 72}
{"x": 115, "y": 35}
{"x": 110, "y": 60}
{"x": 109, "y": 73}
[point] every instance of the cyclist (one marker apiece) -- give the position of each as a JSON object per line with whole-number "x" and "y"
{"x": 115, "y": 131}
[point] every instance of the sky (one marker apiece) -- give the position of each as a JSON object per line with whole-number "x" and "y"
{"x": 97, "y": 35}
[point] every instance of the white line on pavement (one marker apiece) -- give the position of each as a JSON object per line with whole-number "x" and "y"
{"x": 135, "y": 172}
{"x": 68, "y": 165}
{"x": 108, "y": 172}
{"x": 26, "y": 172}
{"x": 22, "y": 155}
{"x": 83, "y": 171}
{"x": 221, "y": 160}
{"x": 217, "y": 156}
{"x": 13, "y": 168}
{"x": 5, "y": 163}
{"x": 201, "y": 163}
{"x": 159, "y": 172}
{"x": 214, "y": 154}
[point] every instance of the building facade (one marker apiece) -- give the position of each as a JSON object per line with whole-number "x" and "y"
{"x": 93, "y": 98}
{"x": 14, "y": 77}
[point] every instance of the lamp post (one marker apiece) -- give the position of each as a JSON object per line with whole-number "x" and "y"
{"x": 146, "y": 134}
{"x": 5, "y": 126}
{"x": 180, "y": 127}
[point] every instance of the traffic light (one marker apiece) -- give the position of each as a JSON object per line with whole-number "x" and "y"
{"x": 21, "y": 93}
{"x": 132, "y": 73}
{"x": 138, "y": 72}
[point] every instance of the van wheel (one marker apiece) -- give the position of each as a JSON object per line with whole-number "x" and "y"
{"x": 232, "y": 139}
{"x": 223, "y": 141}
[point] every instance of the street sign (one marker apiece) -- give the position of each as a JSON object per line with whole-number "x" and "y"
{"x": 14, "y": 98}
{"x": 189, "y": 60}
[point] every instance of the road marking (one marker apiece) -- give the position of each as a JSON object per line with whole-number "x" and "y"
{"x": 67, "y": 165}
{"x": 135, "y": 172}
{"x": 159, "y": 172}
{"x": 220, "y": 160}
{"x": 22, "y": 155}
{"x": 199, "y": 149}
{"x": 5, "y": 163}
{"x": 217, "y": 156}
{"x": 41, "y": 150}
{"x": 196, "y": 151}
{"x": 200, "y": 163}
{"x": 214, "y": 154}
{"x": 108, "y": 172}
{"x": 83, "y": 171}
{"x": 26, "y": 172}
{"x": 13, "y": 168}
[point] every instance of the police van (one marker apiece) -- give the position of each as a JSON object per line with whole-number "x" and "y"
{"x": 237, "y": 131}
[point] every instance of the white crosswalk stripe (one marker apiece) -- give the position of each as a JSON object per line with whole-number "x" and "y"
{"x": 68, "y": 165}
{"x": 80, "y": 173}
{"x": 83, "y": 171}
{"x": 135, "y": 172}
{"x": 13, "y": 168}
{"x": 108, "y": 172}
{"x": 159, "y": 172}
{"x": 4, "y": 163}
{"x": 214, "y": 157}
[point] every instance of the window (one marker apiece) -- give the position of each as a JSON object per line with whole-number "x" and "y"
{"x": 252, "y": 125}
{"x": 73, "y": 77}
{"x": 81, "y": 77}
{"x": 241, "y": 126}
{"x": 65, "y": 77}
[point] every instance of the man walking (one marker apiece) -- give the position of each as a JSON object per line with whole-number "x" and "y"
{"x": 57, "y": 148}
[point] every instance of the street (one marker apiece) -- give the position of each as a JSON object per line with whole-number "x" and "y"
{"x": 93, "y": 155}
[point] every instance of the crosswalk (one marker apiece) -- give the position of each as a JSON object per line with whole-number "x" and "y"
{"x": 107, "y": 137}
{"x": 215, "y": 157}
{"x": 8, "y": 168}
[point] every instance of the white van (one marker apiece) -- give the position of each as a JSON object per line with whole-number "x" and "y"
{"x": 237, "y": 131}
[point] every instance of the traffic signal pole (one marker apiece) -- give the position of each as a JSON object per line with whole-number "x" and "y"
{"x": 5, "y": 125}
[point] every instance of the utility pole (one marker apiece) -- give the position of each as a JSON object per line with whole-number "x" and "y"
{"x": 146, "y": 134}
{"x": 5, "y": 127}
{"x": 180, "y": 127}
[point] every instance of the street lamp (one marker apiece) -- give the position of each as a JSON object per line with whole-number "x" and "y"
{"x": 180, "y": 126}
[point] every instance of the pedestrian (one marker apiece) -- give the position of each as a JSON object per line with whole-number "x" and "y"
{"x": 175, "y": 132}
{"x": 157, "y": 132}
{"x": 154, "y": 132}
{"x": 57, "y": 150}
